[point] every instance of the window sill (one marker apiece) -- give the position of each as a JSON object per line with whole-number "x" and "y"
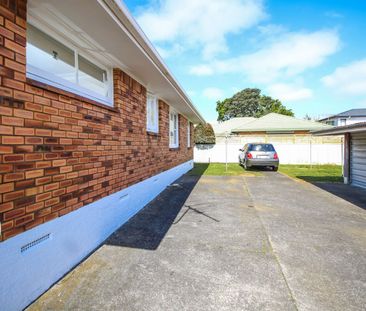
{"x": 150, "y": 133}
{"x": 174, "y": 148}
{"x": 57, "y": 90}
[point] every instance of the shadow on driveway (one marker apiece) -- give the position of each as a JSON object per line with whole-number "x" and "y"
{"x": 352, "y": 194}
{"x": 147, "y": 229}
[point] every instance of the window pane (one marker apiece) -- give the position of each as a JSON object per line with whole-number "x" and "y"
{"x": 173, "y": 129}
{"x": 46, "y": 53}
{"x": 189, "y": 134}
{"x": 152, "y": 114}
{"x": 92, "y": 77}
{"x": 261, "y": 147}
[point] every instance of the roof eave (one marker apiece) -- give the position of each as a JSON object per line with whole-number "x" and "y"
{"x": 121, "y": 12}
{"x": 341, "y": 130}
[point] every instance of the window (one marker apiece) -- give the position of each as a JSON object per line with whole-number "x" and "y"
{"x": 189, "y": 135}
{"x": 152, "y": 114}
{"x": 261, "y": 147}
{"x": 342, "y": 122}
{"x": 173, "y": 129}
{"x": 51, "y": 62}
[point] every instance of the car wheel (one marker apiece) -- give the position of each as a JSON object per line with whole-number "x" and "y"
{"x": 245, "y": 165}
{"x": 275, "y": 168}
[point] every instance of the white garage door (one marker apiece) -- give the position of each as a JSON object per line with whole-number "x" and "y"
{"x": 358, "y": 160}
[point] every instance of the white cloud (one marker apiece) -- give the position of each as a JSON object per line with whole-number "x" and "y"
{"x": 349, "y": 79}
{"x": 201, "y": 70}
{"x": 289, "y": 92}
{"x": 213, "y": 93}
{"x": 271, "y": 29}
{"x": 287, "y": 56}
{"x": 205, "y": 23}
{"x": 333, "y": 14}
{"x": 169, "y": 52}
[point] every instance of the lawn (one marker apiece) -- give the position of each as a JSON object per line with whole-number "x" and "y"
{"x": 316, "y": 173}
{"x": 218, "y": 169}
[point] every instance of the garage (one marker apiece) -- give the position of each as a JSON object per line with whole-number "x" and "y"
{"x": 358, "y": 159}
{"x": 354, "y": 157}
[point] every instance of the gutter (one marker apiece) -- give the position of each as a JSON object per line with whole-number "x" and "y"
{"x": 120, "y": 11}
{"x": 341, "y": 130}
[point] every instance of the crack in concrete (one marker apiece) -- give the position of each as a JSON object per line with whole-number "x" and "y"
{"x": 276, "y": 257}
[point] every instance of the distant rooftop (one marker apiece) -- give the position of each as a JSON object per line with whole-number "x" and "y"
{"x": 274, "y": 122}
{"x": 227, "y": 126}
{"x": 360, "y": 112}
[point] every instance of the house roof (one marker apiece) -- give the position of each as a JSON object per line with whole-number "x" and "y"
{"x": 339, "y": 130}
{"x": 274, "y": 122}
{"x": 360, "y": 112}
{"x": 106, "y": 30}
{"x": 227, "y": 126}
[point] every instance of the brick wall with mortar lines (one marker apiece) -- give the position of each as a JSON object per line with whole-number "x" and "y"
{"x": 59, "y": 151}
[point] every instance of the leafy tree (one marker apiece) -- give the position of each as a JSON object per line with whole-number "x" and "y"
{"x": 249, "y": 103}
{"x": 204, "y": 134}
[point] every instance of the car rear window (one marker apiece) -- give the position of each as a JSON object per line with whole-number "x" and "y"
{"x": 261, "y": 147}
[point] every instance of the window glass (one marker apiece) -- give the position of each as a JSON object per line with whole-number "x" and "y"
{"x": 261, "y": 147}
{"x": 173, "y": 130}
{"x": 92, "y": 77}
{"x": 189, "y": 134}
{"x": 46, "y": 53}
{"x": 50, "y": 61}
{"x": 152, "y": 114}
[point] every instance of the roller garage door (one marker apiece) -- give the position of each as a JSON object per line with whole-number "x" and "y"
{"x": 358, "y": 160}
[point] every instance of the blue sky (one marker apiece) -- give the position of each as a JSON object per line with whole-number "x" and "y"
{"x": 309, "y": 54}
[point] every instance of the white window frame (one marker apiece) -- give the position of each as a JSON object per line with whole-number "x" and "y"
{"x": 52, "y": 80}
{"x": 152, "y": 102}
{"x": 173, "y": 128}
{"x": 342, "y": 122}
{"x": 189, "y": 135}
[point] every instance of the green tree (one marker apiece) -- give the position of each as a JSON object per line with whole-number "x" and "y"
{"x": 204, "y": 134}
{"x": 249, "y": 103}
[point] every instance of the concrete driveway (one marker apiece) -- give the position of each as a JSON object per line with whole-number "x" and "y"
{"x": 227, "y": 243}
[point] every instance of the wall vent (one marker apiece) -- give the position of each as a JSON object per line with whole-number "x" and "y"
{"x": 35, "y": 242}
{"x": 124, "y": 197}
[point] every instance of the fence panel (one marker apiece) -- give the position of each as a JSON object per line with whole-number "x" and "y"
{"x": 289, "y": 153}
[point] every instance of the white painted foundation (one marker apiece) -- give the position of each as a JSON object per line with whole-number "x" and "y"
{"x": 65, "y": 241}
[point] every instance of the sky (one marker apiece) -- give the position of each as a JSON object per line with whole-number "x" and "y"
{"x": 310, "y": 54}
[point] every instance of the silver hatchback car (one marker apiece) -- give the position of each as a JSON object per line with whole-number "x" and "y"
{"x": 259, "y": 154}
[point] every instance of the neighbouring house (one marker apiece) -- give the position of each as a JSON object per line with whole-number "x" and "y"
{"x": 293, "y": 139}
{"x": 354, "y": 165}
{"x": 223, "y": 128}
{"x": 346, "y": 118}
{"x": 93, "y": 127}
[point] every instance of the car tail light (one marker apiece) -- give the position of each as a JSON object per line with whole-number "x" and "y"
{"x": 249, "y": 155}
{"x": 275, "y": 156}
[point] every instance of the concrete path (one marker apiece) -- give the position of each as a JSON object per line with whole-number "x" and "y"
{"x": 227, "y": 243}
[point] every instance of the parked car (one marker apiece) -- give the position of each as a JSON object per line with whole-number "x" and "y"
{"x": 259, "y": 154}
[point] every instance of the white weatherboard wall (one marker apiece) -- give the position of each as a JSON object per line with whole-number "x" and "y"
{"x": 26, "y": 275}
{"x": 287, "y": 153}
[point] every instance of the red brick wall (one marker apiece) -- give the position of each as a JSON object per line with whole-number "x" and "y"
{"x": 59, "y": 151}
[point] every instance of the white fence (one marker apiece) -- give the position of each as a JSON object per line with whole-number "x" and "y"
{"x": 288, "y": 153}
